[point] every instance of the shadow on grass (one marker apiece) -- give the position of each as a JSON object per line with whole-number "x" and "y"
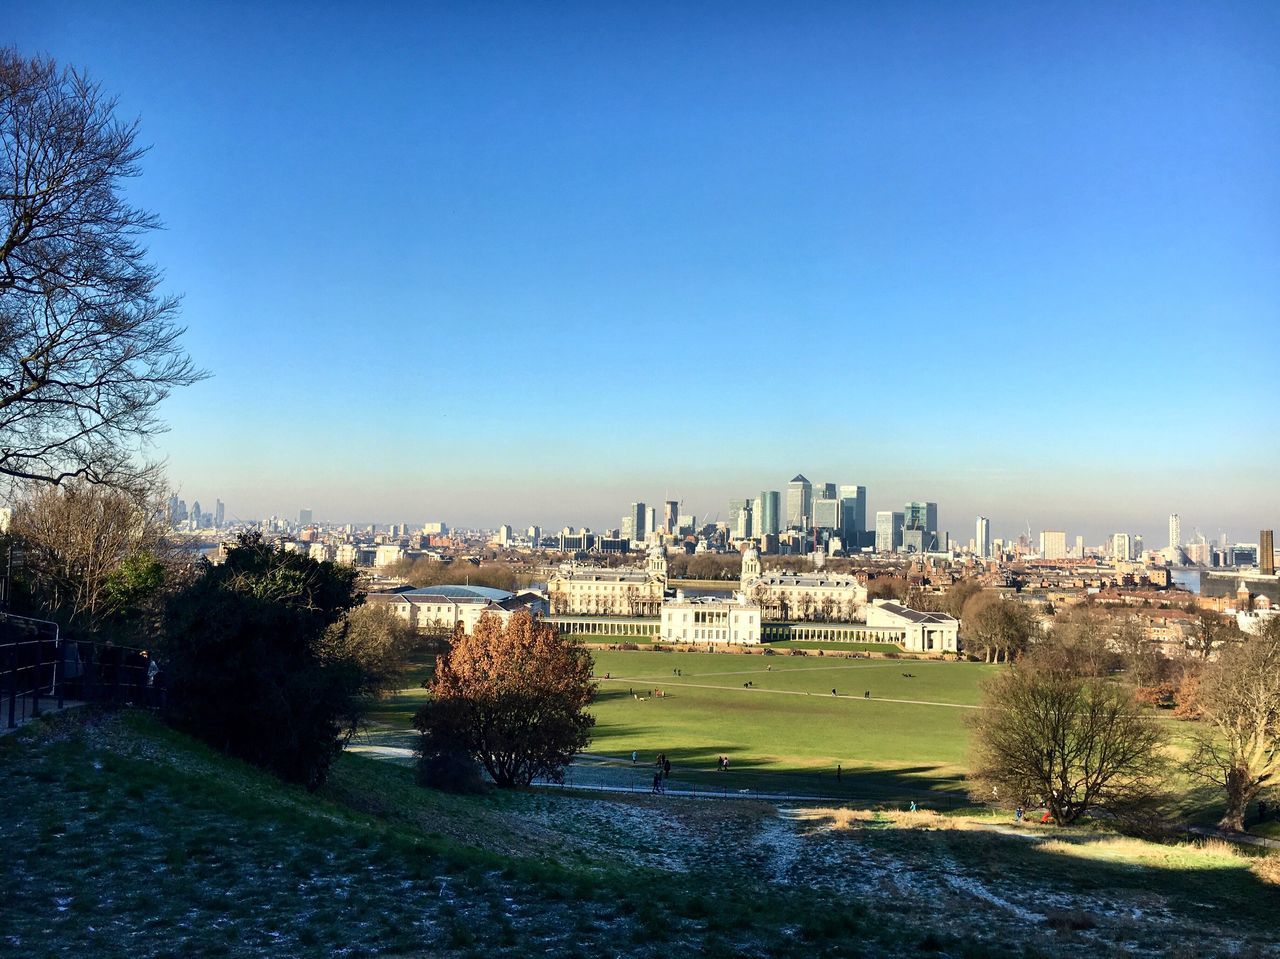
{"x": 696, "y": 766}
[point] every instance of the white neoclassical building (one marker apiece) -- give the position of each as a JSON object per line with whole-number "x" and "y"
{"x": 918, "y": 631}
{"x": 627, "y": 591}
{"x": 802, "y": 597}
{"x": 710, "y": 619}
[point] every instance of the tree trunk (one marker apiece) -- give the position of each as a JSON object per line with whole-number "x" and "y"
{"x": 1240, "y": 790}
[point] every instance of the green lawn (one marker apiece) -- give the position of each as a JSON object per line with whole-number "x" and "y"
{"x": 785, "y": 733}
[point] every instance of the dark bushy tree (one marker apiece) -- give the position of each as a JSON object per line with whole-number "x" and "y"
{"x": 511, "y": 697}
{"x": 252, "y": 664}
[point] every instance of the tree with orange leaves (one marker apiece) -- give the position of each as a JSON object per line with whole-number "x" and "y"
{"x": 511, "y": 697}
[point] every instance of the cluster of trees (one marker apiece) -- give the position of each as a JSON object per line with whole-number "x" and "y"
{"x": 1067, "y": 726}
{"x": 271, "y": 657}
{"x": 721, "y": 566}
{"x": 432, "y": 572}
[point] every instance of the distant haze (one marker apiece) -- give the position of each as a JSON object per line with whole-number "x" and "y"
{"x": 529, "y": 263}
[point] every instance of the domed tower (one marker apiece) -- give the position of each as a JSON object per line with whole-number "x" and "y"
{"x": 750, "y": 568}
{"x": 656, "y": 565}
{"x": 1243, "y": 602}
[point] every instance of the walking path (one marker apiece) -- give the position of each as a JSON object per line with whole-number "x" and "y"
{"x": 1241, "y": 838}
{"x": 632, "y": 680}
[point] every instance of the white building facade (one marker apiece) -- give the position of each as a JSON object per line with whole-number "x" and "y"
{"x": 708, "y": 619}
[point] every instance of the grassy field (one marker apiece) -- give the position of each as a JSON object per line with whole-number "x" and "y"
{"x": 785, "y": 733}
{"x": 121, "y": 838}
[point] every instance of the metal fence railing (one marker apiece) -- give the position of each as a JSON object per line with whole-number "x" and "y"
{"x": 40, "y": 669}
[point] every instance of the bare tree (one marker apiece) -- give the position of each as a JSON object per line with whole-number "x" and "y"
{"x": 1076, "y": 743}
{"x": 84, "y": 545}
{"x": 1239, "y": 697}
{"x": 997, "y": 628}
{"x": 88, "y": 344}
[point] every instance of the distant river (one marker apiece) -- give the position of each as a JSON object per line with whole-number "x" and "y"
{"x": 1188, "y": 579}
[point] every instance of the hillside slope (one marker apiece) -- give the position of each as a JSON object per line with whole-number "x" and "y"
{"x": 124, "y": 838}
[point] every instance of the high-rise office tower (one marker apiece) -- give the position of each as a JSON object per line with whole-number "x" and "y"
{"x": 1079, "y": 547}
{"x": 304, "y": 517}
{"x": 888, "y": 531}
{"x": 219, "y": 513}
{"x": 1053, "y": 544}
{"x": 799, "y": 502}
{"x": 638, "y": 516}
{"x": 1175, "y": 531}
{"x": 1266, "y": 552}
{"x": 921, "y": 516}
{"x": 670, "y": 515}
{"x": 825, "y": 491}
{"x": 853, "y": 514}
{"x": 736, "y": 506}
{"x": 826, "y": 513}
{"x": 650, "y": 521}
{"x": 982, "y": 537}
{"x": 1122, "y": 547}
{"x": 744, "y": 528}
{"x": 769, "y": 520}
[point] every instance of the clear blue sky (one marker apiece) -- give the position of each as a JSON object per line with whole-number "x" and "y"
{"x": 531, "y": 262}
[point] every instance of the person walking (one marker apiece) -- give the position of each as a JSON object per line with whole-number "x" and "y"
{"x": 666, "y": 768}
{"x": 913, "y": 805}
{"x": 839, "y": 771}
{"x": 833, "y": 692}
{"x": 1018, "y": 813}
{"x": 634, "y": 757}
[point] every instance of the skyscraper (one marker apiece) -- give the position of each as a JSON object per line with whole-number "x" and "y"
{"x": 799, "y": 502}
{"x": 219, "y": 513}
{"x": 982, "y": 537}
{"x": 1122, "y": 547}
{"x": 826, "y": 513}
{"x": 1053, "y": 544}
{"x": 769, "y": 520}
{"x": 888, "y": 532}
{"x": 638, "y": 515}
{"x": 304, "y": 517}
{"x": 1175, "y": 531}
{"x": 1266, "y": 552}
{"x": 921, "y": 516}
{"x": 670, "y": 515}
{"x": 853, "y": 514}
{"x": 650, "y": 521}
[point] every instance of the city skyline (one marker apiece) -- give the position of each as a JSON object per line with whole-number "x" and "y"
{"x": 968, "y": 243}
{"x": 997, "y": 529}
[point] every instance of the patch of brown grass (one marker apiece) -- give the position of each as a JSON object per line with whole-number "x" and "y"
{"x": 1267, "y": 868}
{"x": 843, "y": 819}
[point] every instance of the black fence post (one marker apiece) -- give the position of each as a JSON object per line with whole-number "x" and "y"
{"x": 59, "y": 671}
{"x": 13, "y": 686}
{"x": 35, "y": 678}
